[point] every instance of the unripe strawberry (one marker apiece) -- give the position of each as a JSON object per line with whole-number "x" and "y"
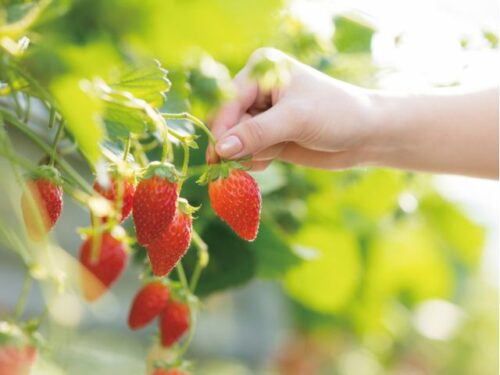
{"x": 103, "y": 258}
{"x": 113, "y": 194}
{"x": 236, "y": 199}
{"x": 154, "y": 203}
{"x": 148, "y": 303}
{"x": 171, "y": 245}
{"x": 42, "y": 201}
{"x": 174, "y": 322}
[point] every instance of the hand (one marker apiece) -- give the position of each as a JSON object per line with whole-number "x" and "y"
{"x": 317, "y": 121}
{"x": 312, "y": 120}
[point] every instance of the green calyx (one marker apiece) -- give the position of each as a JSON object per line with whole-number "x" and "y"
{"x": 185, "y": 207}
{"x": 163, "y": 170}
{"x": 221, "y": 170}
{"x": 16, "y": 336}
{"x": 46, "y": 172}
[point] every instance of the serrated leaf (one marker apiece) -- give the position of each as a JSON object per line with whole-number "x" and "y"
{"x": 273, "y": 254}
{"x": 149, "y": 83}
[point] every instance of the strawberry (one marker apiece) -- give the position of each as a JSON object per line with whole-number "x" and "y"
{"x": 148, "y": 304}
{"x": 154, "y": 203}
{"x": 162, "y": 371}
{"x": 16, "y": 360}
{"x": 113, "y": 194}
{"x": 42, "y": 201}
{"x": 174, "y": 322}
{"x": 235, "y": 198}
{"x": 97, "y": 275}
{"x": 17, "y": 353}
{"x": 171, "y": 245}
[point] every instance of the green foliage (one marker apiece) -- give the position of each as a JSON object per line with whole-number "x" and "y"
{"x": 352, "y": 35}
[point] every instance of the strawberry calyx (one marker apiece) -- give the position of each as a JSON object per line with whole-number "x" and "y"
{"x": 46, "y": 172}
{"x": 178, "y": 364}
{"x": 220, "y": 170}
{"x": 163, "y": 170}
{"x": 17, "y": 336}
{"x": 185, "y": 207}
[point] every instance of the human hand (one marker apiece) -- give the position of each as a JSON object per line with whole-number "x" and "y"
{"x": 311, "y": 120}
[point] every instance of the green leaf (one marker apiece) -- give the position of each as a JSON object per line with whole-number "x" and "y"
{"x": 327, "y": 282}
{"x": 273, "y": 253}
{"x": 232, "y": 263}
{"x": 352, "y": 34}
{"x": 148, "y": 82}
{"x": 82, "y": 113}
{"x": 455, "y": 230}
{"x": 406, "y": 260}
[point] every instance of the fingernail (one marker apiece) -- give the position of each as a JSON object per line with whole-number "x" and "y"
{"x": 229, "y": 146}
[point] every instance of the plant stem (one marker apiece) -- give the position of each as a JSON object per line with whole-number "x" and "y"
{"x": 46, "y": 148}
{"x": 27, "y": 112}
{"x": 194, "y": 120}
{"x": 52, "y": 117}
{"x": 57, "y": 138}
{"x": 185, "y": 165}
{"x": 21, "y": 302}
{"x": 203, "y": 258}
{"x": 126, "y": 149}
{"x": 182, "y": 275}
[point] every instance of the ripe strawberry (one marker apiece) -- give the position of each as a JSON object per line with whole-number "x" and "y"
{"x": 97, "y": 275}
{"x": 113, "y": 193}
{"x": 171, "y": 245}
{"x": 154, "y": 202}
{"x": 42, "y": 202}
{"x": 148, "y": 304}
{"x": 17, "y": 353}
{"x": 174, "y": 322}
{"x": 162, "y": 371}
{"x": 235, "y": 198}
{"x": 16, "y": 360}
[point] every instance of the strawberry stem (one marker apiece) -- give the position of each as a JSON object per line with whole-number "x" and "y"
{"x": 203, "y": 258}
{"x": 126, "y": 149}
{"x": 182, "y": 275}
{"x": 12, "y": 120}
{"x": 57, "y": 138}
{"x": 194, "y": 120}
{"x": 21, "y": 302}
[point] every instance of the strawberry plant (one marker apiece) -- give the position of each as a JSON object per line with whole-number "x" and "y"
{"x": 103, "y": 110}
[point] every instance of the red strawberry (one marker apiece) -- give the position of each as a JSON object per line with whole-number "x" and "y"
{"x": 170, "y": 247}
{"x": 97, "y": 275}
{"x": 16, "y": 360}
{"x": 162, "y": 371}
{"x": 154, "y": 202}
{"x": 17, "y": 353}
{"x": 148, "y": 304}
{"x": 42, "y": 202}
{"x": 174, "y": 322}
{"x": 236, "y": 200}
{"x": 112, "y": 193}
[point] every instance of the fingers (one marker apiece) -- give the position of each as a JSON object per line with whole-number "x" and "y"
{"x": 249, "y": 137}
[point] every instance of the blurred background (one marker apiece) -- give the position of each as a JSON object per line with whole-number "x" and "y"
{"x": 356, "y": 272}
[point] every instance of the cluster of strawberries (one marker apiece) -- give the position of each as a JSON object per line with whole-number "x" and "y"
{"x": 163, "y": 224}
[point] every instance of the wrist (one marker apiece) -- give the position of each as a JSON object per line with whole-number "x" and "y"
{"x": 381, "y": 139}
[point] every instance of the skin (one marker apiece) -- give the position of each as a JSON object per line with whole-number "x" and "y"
{"x": 317, "y": 121}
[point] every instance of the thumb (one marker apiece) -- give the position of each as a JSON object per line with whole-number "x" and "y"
{"x": 257, "y": 133}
